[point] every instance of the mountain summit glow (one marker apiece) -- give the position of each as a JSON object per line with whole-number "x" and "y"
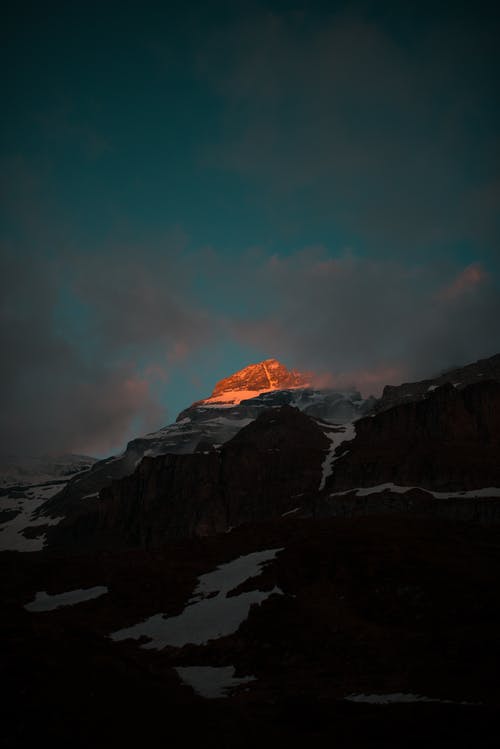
{"x": 262, "y": 377}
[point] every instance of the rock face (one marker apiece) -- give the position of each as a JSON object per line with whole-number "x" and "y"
{"x": 448, "y": 442}
{"x": 269, "y": 468}
{"x": 266, "y": 375}
{"x": 222, "y": 464}
{"x": 484, "y": 369}
{"x": 372, "y": 606}
{"x": 353, "y": 614}
{"x": 214, "y": 421}
{"x": 285, "y": 460}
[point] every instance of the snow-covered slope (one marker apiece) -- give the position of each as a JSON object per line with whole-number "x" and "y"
{"x": 28, "y": 470}
{"x": 26, "y": 485}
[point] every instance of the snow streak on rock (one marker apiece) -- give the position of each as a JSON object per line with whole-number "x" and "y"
{"x": 344, "y": 433}
{"x": 364, "y": 491}
{"x": 397, "y": 698}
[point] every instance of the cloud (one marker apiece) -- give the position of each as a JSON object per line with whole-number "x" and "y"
{"x": 464, "y": 282}
{"x": 91, "y": 341}
{"x": 335, "y": 120}
{"x": 88, "y": 341}
{"x": 375, "y": 125}
{"x": 357, "y": 321}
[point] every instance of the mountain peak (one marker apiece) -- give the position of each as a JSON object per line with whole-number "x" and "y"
{"x": 257, "y": 378}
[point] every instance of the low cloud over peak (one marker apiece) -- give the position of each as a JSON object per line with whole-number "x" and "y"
{"x": 370, "y": 322}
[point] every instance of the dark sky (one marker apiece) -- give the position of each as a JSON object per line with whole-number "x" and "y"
{"x": 188, "y": 191}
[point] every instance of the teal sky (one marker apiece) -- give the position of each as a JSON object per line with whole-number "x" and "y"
{"x": 186, "y": 191}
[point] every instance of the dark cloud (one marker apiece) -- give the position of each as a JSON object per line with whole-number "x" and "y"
{"x": 371, "y": 323}
{"x": 86, "y": 343}
{"x": 89, "y": 341}
{"x": 377, "y": 124}
{"x": 387, "y": 134}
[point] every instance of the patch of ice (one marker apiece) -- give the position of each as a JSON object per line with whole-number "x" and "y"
{"x": 432, "y": 387}
{"x": 91, "y": 496}
{"x": 206, "y": 618}
{"x": 211, "y": 682}
{"x": 45, "y": 602}
{"x": 291, "y": 512}
{"x": 345, "y": 433}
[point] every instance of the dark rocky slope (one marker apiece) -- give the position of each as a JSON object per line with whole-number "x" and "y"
{"x": 255, "y": 476}
{"x": 235, "y": 402}
{"x": 448, "y": 442}
{"x": 370, "y": 605}
{"x": 483, "y": 369}
{"x": 270, "y": 467}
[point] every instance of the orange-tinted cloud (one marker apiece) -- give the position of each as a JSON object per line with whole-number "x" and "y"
{"x": 368, "y": 322}
{"x": 470, "y": 278}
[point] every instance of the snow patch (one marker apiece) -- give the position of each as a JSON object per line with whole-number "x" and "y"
{"x": 211, "y": 682}
{"x": 45, "y": 602}
{"x": 206, "y": 618}
{"x": 364, "y": 491}
{"x": 12, "y": 537}
{"x": 233, "y": 397}
{"x": 398, "y": 698}
{"x": 27, "y": 471}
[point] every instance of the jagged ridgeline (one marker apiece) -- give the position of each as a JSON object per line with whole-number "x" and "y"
{"x": 235, "y": 402}
{"x": 266, "y": 444}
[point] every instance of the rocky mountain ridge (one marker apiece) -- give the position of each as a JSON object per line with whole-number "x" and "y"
{"x": 438, "y": 456}
{"x": 425, "y": 442}
{"x": 212, "y": 422}
{"x": 483, "y": 369}
{"x": 301, "y": 582}
{"x": 268, "y": 466}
